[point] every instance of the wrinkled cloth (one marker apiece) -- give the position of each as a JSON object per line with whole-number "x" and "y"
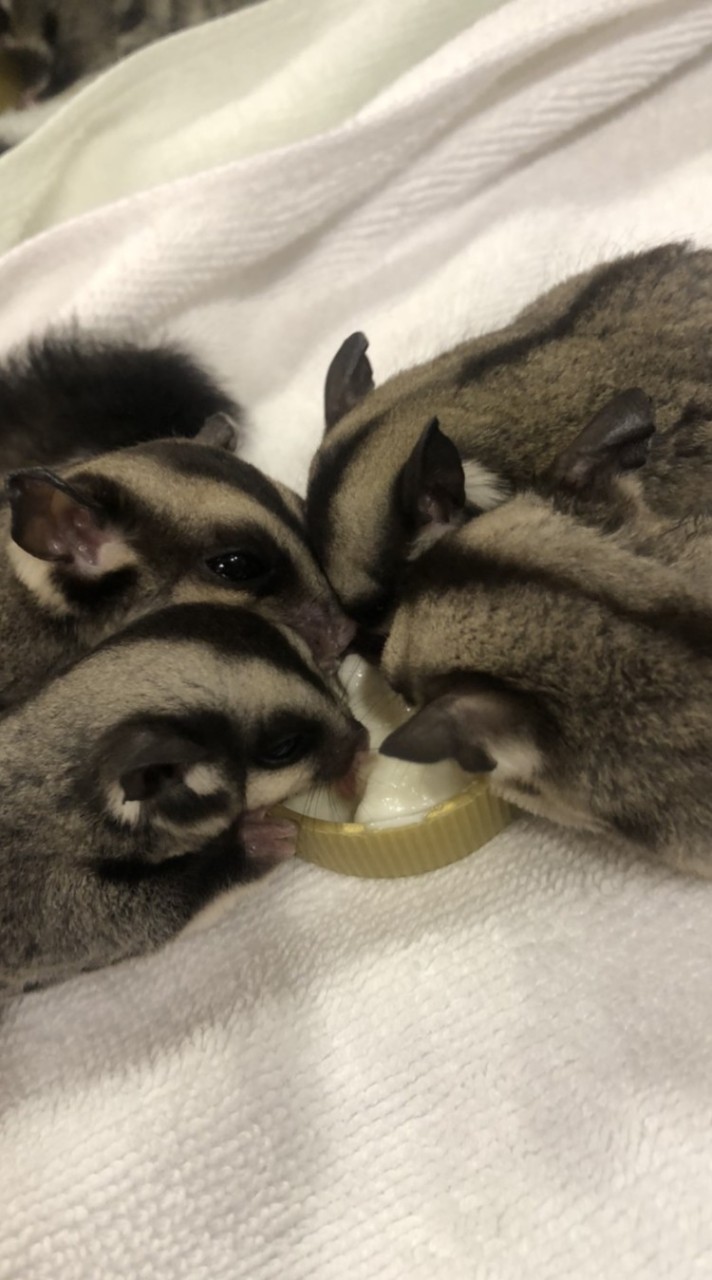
{"x": 497, "y": 1070}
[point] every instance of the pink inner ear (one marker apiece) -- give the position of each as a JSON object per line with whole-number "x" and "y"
{"x": 75, "y": 535}
{"x": 52, "y": 522}
{"x": 72, "y": 532}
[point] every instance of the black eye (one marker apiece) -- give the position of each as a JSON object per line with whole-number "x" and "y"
{"x": 279, "y": 753}
{"x": 241, "y": 567}
{"x": 50, "y": 29}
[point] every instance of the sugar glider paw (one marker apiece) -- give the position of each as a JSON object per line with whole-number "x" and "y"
{"x": 266, "y": 839}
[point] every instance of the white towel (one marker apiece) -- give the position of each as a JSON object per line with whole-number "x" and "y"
{"x": 500, "y": 1070}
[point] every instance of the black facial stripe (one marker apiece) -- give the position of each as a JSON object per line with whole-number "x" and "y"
{"x": 225, "y": 469}
{"x": 227, "y": 629}
{"x": 186, "y": 807}
{"x": 445, "y": 567}
{"x": 96, "y": 593}
{"x": 327, "y": 476}
{"x": 145, "y": 527}
{"x": 514, "y": 349}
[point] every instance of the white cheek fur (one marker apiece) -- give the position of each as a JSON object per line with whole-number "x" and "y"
{"x": 127, "y": 812}
{"x": 36, "y": 576}
{"x": 204, "y": 780}
{"x": 483, "y": 488}
{"x": 266, "y": 787}
{"x": 517, "y": 761}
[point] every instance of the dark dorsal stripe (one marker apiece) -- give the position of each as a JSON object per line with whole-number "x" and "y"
{"x": 513, "y": 349}
{"x": 330, "y": 467}
{"x": 447, "y": 568}
{"x": 227, "y": 629}
{"x": 224, "y": 468}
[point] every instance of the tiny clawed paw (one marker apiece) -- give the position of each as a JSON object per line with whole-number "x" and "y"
{"x": 266, "y": 838}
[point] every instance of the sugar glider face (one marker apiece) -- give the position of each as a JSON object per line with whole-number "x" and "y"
{"x": 568, "y": 658}
{"x": 225, "y": 713}
{"x": 386, "y": 483}
{"x": 172, "y": 520}
{"x": 159, "y": 754}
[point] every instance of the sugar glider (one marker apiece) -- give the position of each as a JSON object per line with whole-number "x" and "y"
{"x": 86, "y": 548}
{"x": 388, "y": 480}
{"x": 133, "y": 786}
{"x": 563, "y": 643}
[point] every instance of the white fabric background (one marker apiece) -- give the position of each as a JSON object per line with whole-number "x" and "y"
{"x": 499, "y": 1070}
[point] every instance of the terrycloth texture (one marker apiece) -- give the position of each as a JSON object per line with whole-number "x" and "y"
{"x": 500, "y": 1070}
{"x": 263, "y": 77}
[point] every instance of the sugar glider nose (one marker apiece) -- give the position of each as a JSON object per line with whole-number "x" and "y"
{"x": 327, "y": 631}
{"x": 339, "y": 633}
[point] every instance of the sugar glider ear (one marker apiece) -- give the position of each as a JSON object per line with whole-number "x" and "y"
{"x": 52, "y": 520}
{"x": 433, "y": 480}
{"x": 219, "y": 431}
{"x": 349, "y": 379}
{"x": 147, "y": 759}
{"x": 474, "y": 726}
{"x": 616, "y": 439}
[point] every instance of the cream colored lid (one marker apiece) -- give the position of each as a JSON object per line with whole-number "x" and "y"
{"x": 450, "y": 831}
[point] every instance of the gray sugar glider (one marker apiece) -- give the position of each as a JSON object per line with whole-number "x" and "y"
{"x": 562, "y": 642}
{"x": 134, "y": 786}
{"x": 387, "y": 480}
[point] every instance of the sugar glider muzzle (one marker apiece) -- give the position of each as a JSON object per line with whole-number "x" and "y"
{"x": 133, "y": 787}
{"x": 94, "y": 545}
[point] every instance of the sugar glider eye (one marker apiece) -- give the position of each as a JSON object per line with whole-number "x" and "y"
{"x": 281, "y": 751}
{"x": 240, "y": 566}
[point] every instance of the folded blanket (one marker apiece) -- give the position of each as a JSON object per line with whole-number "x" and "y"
{"x": 503, "y": 1069}
{"x": 263, "y": 77}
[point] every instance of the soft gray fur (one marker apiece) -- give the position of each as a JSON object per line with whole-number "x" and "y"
{"x": 88, "y": 548}
{"x": 133, "y": 788}
{"x": 57, "y": 43}
{"x": 564, "y": 643}
{"x": 386, "y": 481}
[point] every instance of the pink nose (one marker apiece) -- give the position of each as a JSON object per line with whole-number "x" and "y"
{"x": 332, "y": 636}
{"x": 327, "y": 630}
